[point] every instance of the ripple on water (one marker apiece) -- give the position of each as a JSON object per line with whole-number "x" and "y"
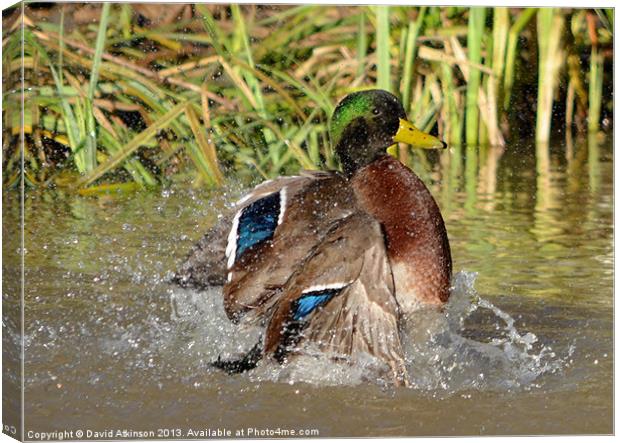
{"x": 439, "y": 358}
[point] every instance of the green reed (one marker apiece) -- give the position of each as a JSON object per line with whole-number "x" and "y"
{"x": 383, "y": 48}
{"x": 413, "y": 31}
{"x": 475, "y": 32}
{"x": 549, "y": 24}
{"x": 511, "y": 51}
{"x": 237, "y": 90}
{"x": 596, "y": 89}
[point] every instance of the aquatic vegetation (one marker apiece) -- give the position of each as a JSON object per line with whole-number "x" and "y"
{"x": 123, "y": 97}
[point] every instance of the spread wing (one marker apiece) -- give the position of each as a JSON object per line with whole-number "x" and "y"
{"x": 273, "y": 233}
{"x": 342, "y": 300}
{"x": 206, "y": 263}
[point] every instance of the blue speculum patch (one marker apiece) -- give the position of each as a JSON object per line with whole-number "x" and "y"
{"x": 258, "y": 222}
{"x": 312, "y": 300}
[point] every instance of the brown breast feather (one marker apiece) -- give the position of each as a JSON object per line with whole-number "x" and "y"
{"x": 416, "y": 236}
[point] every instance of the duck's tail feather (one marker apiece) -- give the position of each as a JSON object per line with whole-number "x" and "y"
{"x": 247, "y": 362}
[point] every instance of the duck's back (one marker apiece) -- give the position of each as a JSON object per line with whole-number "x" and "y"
{"x": 274, "y": 231}
{"x": 207, "y": 263}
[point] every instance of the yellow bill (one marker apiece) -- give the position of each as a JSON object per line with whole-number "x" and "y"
{"x": 393, "y": 150}
{"x": 407, "y": 133}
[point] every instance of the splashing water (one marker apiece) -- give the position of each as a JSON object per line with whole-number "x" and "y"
{"x": 439, "y": 358}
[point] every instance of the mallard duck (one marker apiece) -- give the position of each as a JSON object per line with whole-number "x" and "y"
{"x": 333, "y": 258}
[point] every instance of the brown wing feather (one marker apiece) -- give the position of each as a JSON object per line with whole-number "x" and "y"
{"x": 256, "y": 278}
{"x": 294, "y": 184}
{"x": 363, "y": 318}
{"x": 205, "y": 264}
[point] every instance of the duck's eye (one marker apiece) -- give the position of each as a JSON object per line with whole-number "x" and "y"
{"x": 376, "y": 111}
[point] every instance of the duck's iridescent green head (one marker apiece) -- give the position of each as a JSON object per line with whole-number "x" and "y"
{"x": 366, "y": 123}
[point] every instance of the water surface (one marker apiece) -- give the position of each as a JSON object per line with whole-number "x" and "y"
{"x": 110, "y": 345}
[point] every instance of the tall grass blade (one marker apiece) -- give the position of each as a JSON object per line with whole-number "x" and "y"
{"x": 383, "y": 48}
{"x": 452, "y": 115}
{"x": 550, "y": 24}
{"x": 125, "y": 20}
{"x": 500, "y": 36}
{"x": 249, "y": 77}
{"x": 99, "y": 48}
{"x": 205, "y": 158}
{"x": 595, "y": 89}
{"x": 89, "y": 153}
{"x": 413, "y": 31}
{"x": 61, "y": 44}
{"x": 475, "y": 33}
{"x": 511, "y": 51}
{"x": 217, "y": 37}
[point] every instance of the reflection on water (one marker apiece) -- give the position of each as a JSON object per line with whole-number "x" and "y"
{"x": 524, "y": 347}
